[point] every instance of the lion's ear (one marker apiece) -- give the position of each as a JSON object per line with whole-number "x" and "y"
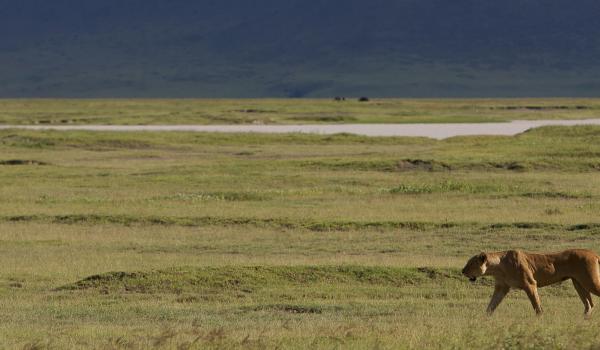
{"x": 483, "y": 257}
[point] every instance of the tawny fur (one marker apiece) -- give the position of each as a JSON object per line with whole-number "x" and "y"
{"x": 514, "y": 269}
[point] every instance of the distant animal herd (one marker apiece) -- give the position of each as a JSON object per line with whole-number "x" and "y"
{"x": 360, "y": 99}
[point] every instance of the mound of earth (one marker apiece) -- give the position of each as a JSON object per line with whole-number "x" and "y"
{"x": 192, "y": 279}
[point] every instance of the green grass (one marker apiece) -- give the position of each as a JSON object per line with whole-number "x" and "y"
{"x": 222, "y": 280}
{"x": 182, "y": 240}
{"x": 289, "y": 111}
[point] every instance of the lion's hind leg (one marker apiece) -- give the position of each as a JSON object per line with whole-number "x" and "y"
{"x": 589, "y": 278}
{"x": 586, "y": 298}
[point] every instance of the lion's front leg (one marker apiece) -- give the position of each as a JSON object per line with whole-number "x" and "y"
{"x": 500, "y": 292}
{"x": 532, "y": 293}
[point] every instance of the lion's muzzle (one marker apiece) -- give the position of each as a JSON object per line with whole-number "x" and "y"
{"x": 471, "y": 278}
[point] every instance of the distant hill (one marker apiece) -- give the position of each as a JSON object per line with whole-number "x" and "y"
{"x": 299, "y": 48}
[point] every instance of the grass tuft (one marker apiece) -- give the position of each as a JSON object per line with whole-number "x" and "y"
{"x": 215, "y": 196}
{"x": 21, "y": 162}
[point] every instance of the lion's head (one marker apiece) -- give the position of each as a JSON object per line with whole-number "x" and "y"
{"x": 475, "y": 267}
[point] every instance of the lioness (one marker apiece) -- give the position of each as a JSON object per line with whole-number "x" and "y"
{"x": 528, "y": 271}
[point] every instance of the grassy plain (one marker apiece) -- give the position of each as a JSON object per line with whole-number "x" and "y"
{"x": 290, "y": 111}
{"x": 181, "y": 240}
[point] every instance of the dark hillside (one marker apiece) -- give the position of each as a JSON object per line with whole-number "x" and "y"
{"x": 240, "y": 48}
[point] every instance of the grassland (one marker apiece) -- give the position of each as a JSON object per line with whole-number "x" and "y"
{"x": 290, "y": 111}
{"x": 181, "y": 240}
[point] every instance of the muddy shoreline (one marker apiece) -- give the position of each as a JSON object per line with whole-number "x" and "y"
{"x": 436, "y": 131}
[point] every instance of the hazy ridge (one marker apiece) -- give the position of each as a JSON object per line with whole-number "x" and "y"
{"x": 293, "y": 48}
